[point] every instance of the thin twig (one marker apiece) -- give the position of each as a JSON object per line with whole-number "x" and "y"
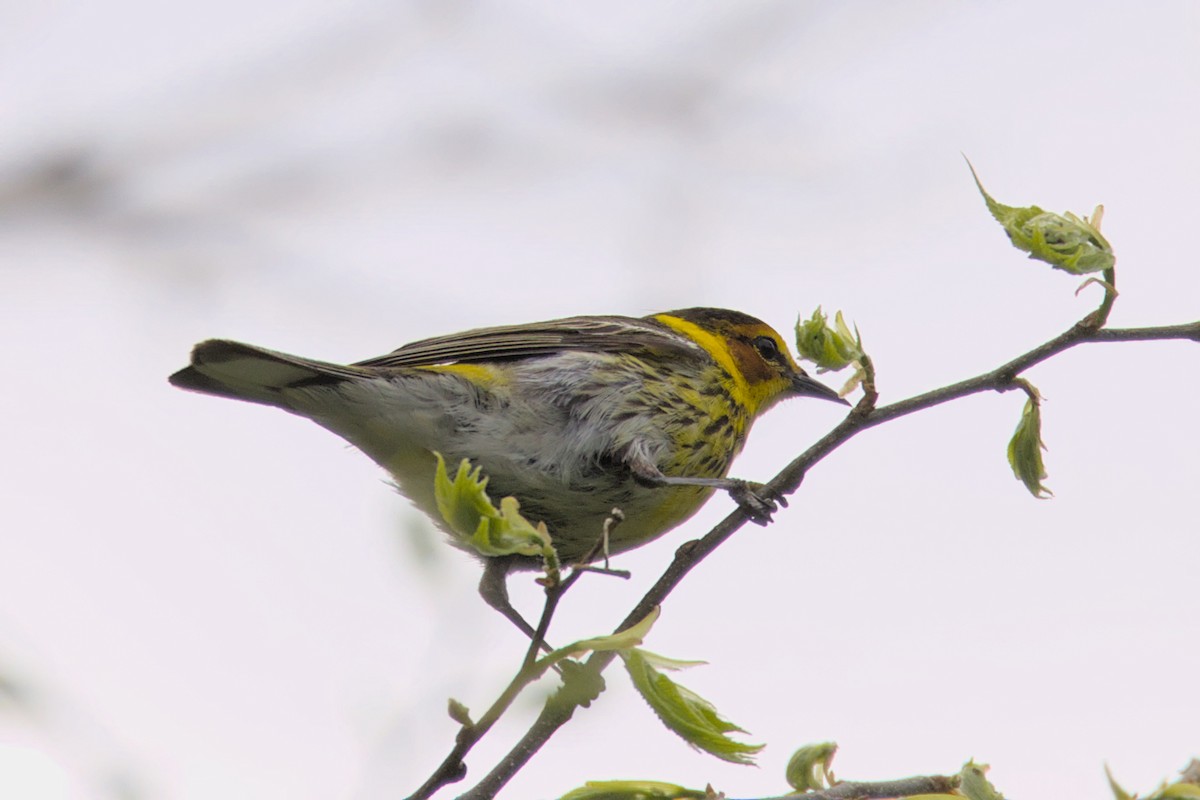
{"x": 862, "y": 790}
{"x": 555, "y": 591}
{"x": 864, "y": 416}
{"x": 452, "y": 769}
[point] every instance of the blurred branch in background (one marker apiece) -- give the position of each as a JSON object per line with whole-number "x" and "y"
{"x": 408, "y": 106}
{"x": 44, "y": 744}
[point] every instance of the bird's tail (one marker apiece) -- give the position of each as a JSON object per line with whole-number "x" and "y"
{"x": 245, "y": 372}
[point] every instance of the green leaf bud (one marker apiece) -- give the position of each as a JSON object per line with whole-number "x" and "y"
{"x": 831, "y": 348}
{"x": 808, "y": 768}
{"x": 459, "y": 713}
{"x": 1064, "y": 241}
{"x": 974, "y": 783}
{"x": 1025, "y": 450}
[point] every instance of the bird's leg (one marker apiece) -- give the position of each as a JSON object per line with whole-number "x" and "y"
{"x": 755, "y": 499}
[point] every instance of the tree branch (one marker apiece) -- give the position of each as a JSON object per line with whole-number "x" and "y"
{"x": 557, "y": 710}
{"x": 1000, "y": 379}
{"x": 861, "y": 790}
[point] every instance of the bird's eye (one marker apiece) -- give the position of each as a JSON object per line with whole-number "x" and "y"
{"x": 766, "y": 347}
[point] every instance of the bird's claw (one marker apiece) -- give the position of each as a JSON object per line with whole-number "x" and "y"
{"x": 757, "y": 501}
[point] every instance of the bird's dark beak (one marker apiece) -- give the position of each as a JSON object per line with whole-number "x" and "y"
{"x": 804, "y": 386}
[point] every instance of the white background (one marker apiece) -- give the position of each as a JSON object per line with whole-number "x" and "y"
{"x": 202, "y": 599}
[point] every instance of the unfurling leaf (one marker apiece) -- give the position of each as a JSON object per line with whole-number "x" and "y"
{"x": 687, "y": 714}
{"x": 831, "y": 348}
{"x": 633, "y": 790}
{"x": 1064, "y": 241}
{"x": 468, "y": 511}
{"x": 974, "y": 783}
{"x": 808, "y": 768}
{"x": 1025, "y": 450}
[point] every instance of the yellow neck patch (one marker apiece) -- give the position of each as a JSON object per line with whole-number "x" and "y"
{"x": 717, "y": 347}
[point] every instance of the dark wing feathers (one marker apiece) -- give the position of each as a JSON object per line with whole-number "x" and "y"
{"x": 604, "y": 334}
{"x": 257, "y": 375}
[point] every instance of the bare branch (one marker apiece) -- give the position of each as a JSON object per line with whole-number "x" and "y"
{"x": 904, "y": 787}
{"x": 865, "y": 415}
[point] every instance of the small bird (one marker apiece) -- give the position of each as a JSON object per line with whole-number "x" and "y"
{"x": 573, "y": 417}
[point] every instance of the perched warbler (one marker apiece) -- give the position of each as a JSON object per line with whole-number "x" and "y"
{"x": 573, "y": 417}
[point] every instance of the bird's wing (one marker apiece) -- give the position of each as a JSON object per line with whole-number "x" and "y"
{"x": 595, "y": 334}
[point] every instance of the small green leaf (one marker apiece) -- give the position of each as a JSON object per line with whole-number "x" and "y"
{"x": 830, "y": 348}
{"x": 633, "y": 790}
{"x": 582, "y": 682}
{"x": 468, "y": 511}
{"x": 1188, "y": 791}
{"x": 1118, "y": 792}
{"x": 627, "y": 639}
{"x": 1064, "y": 241}
{"x": 674, "y": 664}
{"x": 808, "y": 768}
{"x": 690, "y": 716}
{"x": 975, "y": 785}
{"x": 624, "y": 640}
{"x": 1025, "y": 450}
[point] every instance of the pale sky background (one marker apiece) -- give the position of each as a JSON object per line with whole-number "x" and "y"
{"x": 203, "y": 599}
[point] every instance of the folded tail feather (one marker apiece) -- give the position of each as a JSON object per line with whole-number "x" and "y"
{"x": 245, "y": 372}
